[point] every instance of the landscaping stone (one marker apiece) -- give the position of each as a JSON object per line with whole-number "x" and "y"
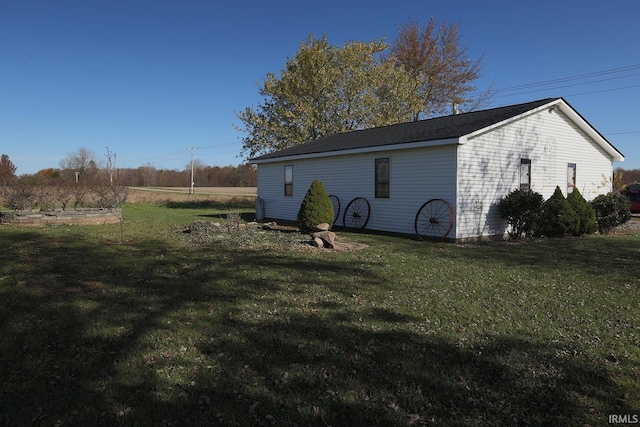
{"x": 327, "y": 237}
{"x": 272, "y": 225}
{"x": 265, "y": 234}
{"x": 85, "y": 216}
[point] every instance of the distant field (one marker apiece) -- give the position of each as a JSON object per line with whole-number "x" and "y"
{"x": 181, "y": 194}
{"x": 227, "y": 191}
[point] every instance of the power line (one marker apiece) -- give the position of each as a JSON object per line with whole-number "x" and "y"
{"x": 161, "y": 156}
{"x": 603, "y": 90}
{"x": 178, "y": 154}
{"x": 216, "y": 145}
{"x": 623, "y": 133}
{"x": 542, "y": 86}
{"x": 570, "y": 85}
{"x": 570, "y": 78}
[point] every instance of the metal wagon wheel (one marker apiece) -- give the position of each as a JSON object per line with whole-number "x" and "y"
{"x": 336, "y": 207}
{"x": 356, "y": 214}
{"x": 434, "y": 220}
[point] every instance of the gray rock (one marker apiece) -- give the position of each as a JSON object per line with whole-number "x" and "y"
{"x": 328, "y": 237}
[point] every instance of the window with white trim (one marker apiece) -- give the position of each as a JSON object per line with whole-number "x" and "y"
{"x": 382, "y": 178}
{"x": 288, "y": 180}
{"x": 525, "y": 174}
{"x": 571, "y": 177}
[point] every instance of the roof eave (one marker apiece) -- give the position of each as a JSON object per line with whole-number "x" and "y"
{"x": 511, "y": 119}
{"x": 572, "y": 114}
{"x": 616, "y": 156}
{"x": 379, "y": 148}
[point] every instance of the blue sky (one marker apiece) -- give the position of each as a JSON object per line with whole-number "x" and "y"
{"x": 149, "y": 79}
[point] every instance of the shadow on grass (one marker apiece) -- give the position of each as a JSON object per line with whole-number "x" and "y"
{"x": 147, "y": 334}
{"x": 304, "y": 370}
{"x": 593, "y": 254}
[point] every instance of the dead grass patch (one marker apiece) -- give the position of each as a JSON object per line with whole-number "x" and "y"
{"x": 161, "y": 196}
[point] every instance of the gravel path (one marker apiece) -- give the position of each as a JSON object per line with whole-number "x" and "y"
{"x": 630, "y": 227}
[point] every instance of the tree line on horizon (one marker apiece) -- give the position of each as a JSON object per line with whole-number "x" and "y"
{"x": 83, "y": 165}
{"x": 243, "y": 175}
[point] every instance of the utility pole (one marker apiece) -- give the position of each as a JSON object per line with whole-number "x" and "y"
{"x": 111, "y": 159}
{"x": 192, "y": 183}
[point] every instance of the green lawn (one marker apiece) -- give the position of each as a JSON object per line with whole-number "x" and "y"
{"x": 169, "y": 330}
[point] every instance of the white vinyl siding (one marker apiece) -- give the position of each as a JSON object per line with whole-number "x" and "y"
{"x": 471, "y": 174}
{"x": 575, "y": 147}
{"x": 489, "y": 167}
{"x": 417, "y": 175}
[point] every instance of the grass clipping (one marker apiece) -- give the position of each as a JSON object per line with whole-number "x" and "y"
{"x": 236, "y": 234}
{"x": 233, "y": 233}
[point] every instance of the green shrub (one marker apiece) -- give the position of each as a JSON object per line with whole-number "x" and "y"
{"x": 557, "y": 218}
{"x": 586, "y": 214}
{"x": 521, "y": 209}
{"x": 611, "y": 209}
{"x": 316, "y": 208}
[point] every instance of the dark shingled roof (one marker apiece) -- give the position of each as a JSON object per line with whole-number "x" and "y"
{"x": 453, "y": 126}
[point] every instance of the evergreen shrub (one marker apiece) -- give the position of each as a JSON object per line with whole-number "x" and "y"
{"x": 611, "y": 209}
{"x": 586, "y": 214}
{"x": 316, "y": 208}
{"x": 521, "y": 209}
{"x": 557, "y": 217}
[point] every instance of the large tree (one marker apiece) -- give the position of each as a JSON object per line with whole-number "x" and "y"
{"x": 325, "y": 90}
{"x": 442, "y": 72}
{"x": 7, "y": 169}
{"x": 83, "y": 162}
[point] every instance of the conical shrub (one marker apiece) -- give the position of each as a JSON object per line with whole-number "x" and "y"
{"x": 557, "y": 218}
{"x": 316, "y": 208}
{"x": 586, "y": 214}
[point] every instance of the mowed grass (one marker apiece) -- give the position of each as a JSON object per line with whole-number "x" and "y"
{"x": 163, "y": 331}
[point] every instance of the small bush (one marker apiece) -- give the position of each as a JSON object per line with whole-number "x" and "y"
{"x": 557, "y": 218}
{"x": 316, "y": 208}
{"x": 612, "y": 210}
{"x": 586, "y": 214}
{"x": 521, "y": 209}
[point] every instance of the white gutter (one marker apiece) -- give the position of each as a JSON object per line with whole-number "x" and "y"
{"x": 390, "y": 147}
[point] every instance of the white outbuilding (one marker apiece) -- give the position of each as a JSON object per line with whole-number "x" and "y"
{"x": 443, "y": 175}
